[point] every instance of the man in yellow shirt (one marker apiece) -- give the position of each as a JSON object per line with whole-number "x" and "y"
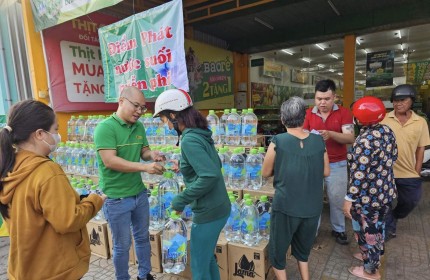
{"x": 412, "y": 135}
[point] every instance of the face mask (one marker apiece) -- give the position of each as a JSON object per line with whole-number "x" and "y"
{"x": 57, "y": 139}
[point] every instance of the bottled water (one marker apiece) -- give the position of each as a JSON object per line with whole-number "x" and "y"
{"x": 71, "y": 135}
{"x": 249, "y": 224}
{"x": 242, "y": 115}
{"x": 60, "y": 157}
{"x": 262, "y": 153}
{"x": 225, "y": 160}
{"x": 237, "y": 173}
{"x": 158, "y": 126}
{"x": 232, "y": 228}
{"x": 99, "y": 216}
{"x": 264, "y": 209}
{"x": 176, "y": 155}
{"x": 171, "y": 135}
{"x": 245, "y": 197}
{"x": 249, "y": 128}
{"x": 253, "y": 170}
{"x": 75, "y": 158}
{"x": 222, "y": 126}
{"x": 167, "y": 190}
{"x": 167, "y": 151}
{"x": 233, "y": 128}
{"x": 148, "y": 125}
{"x": 80, "y": 128}
{"x": 83, "y": 153}
{"x": 213, "y": 125}
{"x": 174, "y": 244}
{"x": 69, "y": 157}
{"x": 154, "y": 211}
{"x": 187, "y": 216}
{"x": 90, "y": 160}
{"x": 81, "y": 189}
{"x": 87, "y": 130}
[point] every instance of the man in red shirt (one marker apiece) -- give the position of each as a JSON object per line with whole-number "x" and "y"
{"x": 334, "y": 123}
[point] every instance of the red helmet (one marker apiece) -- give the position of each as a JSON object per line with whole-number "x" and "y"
{"x": 368, "y": 110}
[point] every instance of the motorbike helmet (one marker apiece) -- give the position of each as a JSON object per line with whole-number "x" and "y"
{"x": 403, "y": 91}
{"x": 173, "y": 100}
{"x": 368, "y": 110}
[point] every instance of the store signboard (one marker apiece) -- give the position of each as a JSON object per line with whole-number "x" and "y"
{"x": 417, "y": 72}
{"x": 210, "y": 74}
{"x": 380, "y": 69}
{"x": 50, "y": 13}
{"x": 145, "y": 50}
{"x": 74, "y": 62}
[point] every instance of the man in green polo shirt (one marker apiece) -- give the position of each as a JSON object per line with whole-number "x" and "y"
{"x": 121, "y": 143}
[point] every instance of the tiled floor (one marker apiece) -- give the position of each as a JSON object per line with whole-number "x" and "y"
{"x": 407, "y": 256}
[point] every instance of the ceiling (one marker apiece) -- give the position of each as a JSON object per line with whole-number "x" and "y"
{"x": 267, "y": 26}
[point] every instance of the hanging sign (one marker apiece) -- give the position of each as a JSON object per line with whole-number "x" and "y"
{"x": 379, "y": 69}
{"x": 145, "y": 50}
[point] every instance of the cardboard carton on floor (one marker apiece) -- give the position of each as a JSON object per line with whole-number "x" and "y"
{"x": 249, "y": 263}
{"x": 99, "y": 243}
{"x": 221, "y": 253}
{"x": 155, "y": 241}
{"x": 132, "y": 255}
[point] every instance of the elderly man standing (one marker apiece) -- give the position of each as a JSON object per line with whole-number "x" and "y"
{"x": 412, "y": 135}
{"x": 334, "y": 123}
{"x": 121, "y": 143}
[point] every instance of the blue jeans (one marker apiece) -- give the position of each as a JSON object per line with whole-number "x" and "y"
{"x": 337, "y": 184}
{"x": 123, "y": 214}
{"x": 203, "y": 241}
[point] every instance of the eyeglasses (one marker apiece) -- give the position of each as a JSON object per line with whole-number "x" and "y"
{"x": 137, "y": 106}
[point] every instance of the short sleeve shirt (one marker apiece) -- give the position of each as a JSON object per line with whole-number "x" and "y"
{"x": 371, "y": 160}
{"x": 128, "y": 140}
{"x": 338, "y": 117}
{"x": 413, "y": 134}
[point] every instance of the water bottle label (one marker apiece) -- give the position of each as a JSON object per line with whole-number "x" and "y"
{"x": 254, "y": 172}
{"x": 264, "y": 221}
{"x": 237, "y": 172}
{"x": 249, "y": 130}
{"x": 159, "y": 131}
{"x": 154, "y": 211}
{"x": 247, "y": 226}
{"x": 188, "y": 213}
{"x": 232, "y": 129}
{"x": 176, "y": 247}
{"x": 225, "y": 168}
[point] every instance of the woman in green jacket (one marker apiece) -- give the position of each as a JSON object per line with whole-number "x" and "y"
{"x": 201, "y": 169}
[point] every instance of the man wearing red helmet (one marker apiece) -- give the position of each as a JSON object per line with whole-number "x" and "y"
{"x": 412, "y": 135}
{"x": 371, "y": 186}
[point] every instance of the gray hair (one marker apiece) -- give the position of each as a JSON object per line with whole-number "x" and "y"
{"x": 293, "y": 112}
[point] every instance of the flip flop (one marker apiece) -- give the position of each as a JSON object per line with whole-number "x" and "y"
{"x": 358, "y": 256}
{"x": 359, "y": 272}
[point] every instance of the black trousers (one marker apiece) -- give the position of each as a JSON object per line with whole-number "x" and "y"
{"x": 409, "y": 192}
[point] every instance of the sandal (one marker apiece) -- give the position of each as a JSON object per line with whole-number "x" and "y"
{"x": 358, "y": 256}
{"x": 359, "y": 272}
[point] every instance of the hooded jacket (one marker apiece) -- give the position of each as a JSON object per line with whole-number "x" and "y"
{"x": 201, "y": 168}
{"x": 47, "y": 223}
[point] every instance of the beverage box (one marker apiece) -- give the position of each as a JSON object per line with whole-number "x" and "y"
{"x": 249, "y": 263}
{"x": 155, "y": 241}
{"x": 99, "y": 244}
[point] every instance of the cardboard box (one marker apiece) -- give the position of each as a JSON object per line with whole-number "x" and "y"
{"x": 132, "y": 254}
{"x": 99, "y": 244}
{"x": 155, "y": 241}
{"x": 249, "y": 263}
{"x": 221, "y": 254}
